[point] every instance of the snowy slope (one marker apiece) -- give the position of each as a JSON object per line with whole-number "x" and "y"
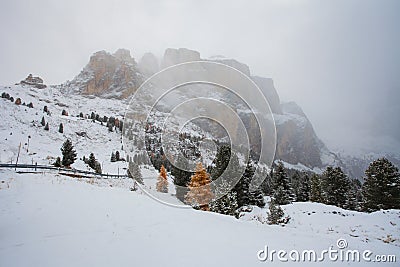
{"x": 50, "y": 220}
{"x": 19, "y": 122}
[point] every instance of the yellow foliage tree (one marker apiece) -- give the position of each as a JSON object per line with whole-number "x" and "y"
{"x": 162, "y": 183}
{"x": 199, "y": 189}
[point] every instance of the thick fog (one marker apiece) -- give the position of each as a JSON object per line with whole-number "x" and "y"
{"x": 339, "y": 60}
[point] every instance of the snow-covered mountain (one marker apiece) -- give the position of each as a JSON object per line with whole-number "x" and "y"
{"x": 117, "y": 75}
{"x": 47, "y": 219}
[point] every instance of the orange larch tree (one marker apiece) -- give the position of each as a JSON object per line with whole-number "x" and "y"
{"x": 162, "y": 183}
{"x": 199, "y": 189}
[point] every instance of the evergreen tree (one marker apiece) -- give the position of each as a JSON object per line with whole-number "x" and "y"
{"x": 113, "y": 159}
{"x": 282, "y": 191}
{"x": 242, "y": 187}
{"x": 199, "y": 194}
{"x": 162, "y": 183}
{"x": 61, "y": 128}
{"x": 256, "y": 196}
{"x": 295, "y": 182}
{"x": 117, "y": 156}
{"x": 58, "y": 162}
{"x": 316, "y": 189}
{"x": 303, "y": 188}
{"x": 134, "y": 172}
{"x": 227, "y": 204}
{"x": 69, "y": 153}
{"x": 336, "y": 186}
{"x": 354, "y": 199}
{"x": 221, "y": 161}
{"x": 92, "y": 161}
{"x": 275, "y": 215}
{"x": 381, "y": 189}
{"x": 45, "y": 109}
{"x": 181, "y": 177}
{"x": 46, "y": 128}
{"x": 97, "y": 167}
{"x": 43, "y": 122}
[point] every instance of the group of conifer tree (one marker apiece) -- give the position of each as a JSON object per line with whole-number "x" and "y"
{"x": 381, "y": 189}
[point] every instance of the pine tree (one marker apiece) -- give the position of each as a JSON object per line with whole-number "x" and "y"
{"x": 92, "y": 161}
{"x": 199, "y": 194}
{"x": 227, "y": 204}
{"x": 221, "y": 161}
{"x": 117, "y": 157}
{"x": 61, "y": 128}
{"x": 45, "y": 109}
{"x": 97, "y": 167}
{"x": 295, "y": 182}
{"x": 316, "y": 189}
{"x": 134, "y": 172}
{"x": 46, "y": 128}
{"x": 113, "y": 159}
{"x": 336, "y": 186}
{"x": 381, "y": 189}
{"x": 303, "y": 188}
{"x": 43, "y": 122}
{"x": 282, "y": 191}
{"x": 58, "y": 162}
{"x": 69, "y": 153}
{"x": 354, "y": 199}
{"x": 275, "y": 214}
{"x": 256, "y": 196}
{"x": 242, "y": 188}
{"x": 181, "y": 177}
{"x": 162, "y": 183}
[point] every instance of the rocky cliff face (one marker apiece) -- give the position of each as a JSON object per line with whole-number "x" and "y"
{"x": 176, "y": 56}
{"x": 118, "y": 75}
{"x": 148, "y": 64}
{"x": 296, "y": 139}
{"x": 108, "y": 75}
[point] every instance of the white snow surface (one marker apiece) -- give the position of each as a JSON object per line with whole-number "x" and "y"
{"x": 52, "y": 220}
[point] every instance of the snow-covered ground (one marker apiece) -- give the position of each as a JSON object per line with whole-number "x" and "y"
{"x": 52, "y": 220}
{"x": 19, "y": 122}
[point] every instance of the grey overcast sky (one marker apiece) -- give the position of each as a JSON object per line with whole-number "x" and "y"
{"x": 338, "y": 59}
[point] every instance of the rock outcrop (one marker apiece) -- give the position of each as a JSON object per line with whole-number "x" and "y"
{"x": 33, "y": 81}
{"x": 148, "y": 64}
{"x": 176, "y": 56}
{"x": 296, "y": 139}
{"x": 108, "y": 75}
